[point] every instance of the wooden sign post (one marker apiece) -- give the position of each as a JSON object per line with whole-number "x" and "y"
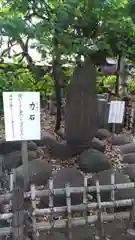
{"x": 22, "y": 121}
{"x": 116, "y": 113}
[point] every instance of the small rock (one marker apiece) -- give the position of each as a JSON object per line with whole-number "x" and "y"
{"x": 64, "y": 151}
{"x": 40, "y": 153}
{"x": 129, "y": 158}
{"x": 61, "y": 133}
{"x": 120, "y": 139}
{"x": 130, "y": 171}
{"x": 32, "y": 146}
{"x": 14, "y": 159}
{"x": 102, "y": 134}
{"x": 53, "y": 236}
{"x": 47, "y": 140}
{"x": 93, "y": 161}
{"x": 127, "y": 148}
{"x": 98, "y": 145}
{"x": 8, "y": 147}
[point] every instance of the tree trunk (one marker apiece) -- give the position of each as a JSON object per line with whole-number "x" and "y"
{"x": 57, "y": 76}
{"x": 123, "y": 77}
{"x": 117, "y": 77}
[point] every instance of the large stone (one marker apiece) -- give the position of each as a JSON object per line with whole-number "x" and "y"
{"x": 85, "y": 232}
{"x": 127, "y": 148}
{"x": 53, "y": 236}
{"x": 81, "y": 112}
{"x": 64, "y": 151}
{"x": 104, "y": 178}
{"x": 14, "y": 159}
{"x": 62, "y": 177}
{"x": 98, "y": 145}
{"x": 39, "y": 173}
{"x": 102, "y": 134}
{"x": 7, "y": 147}
{"x": 103, "y": 112}
{"x": 47, "y": 140}
{"x": 102, "y": 96}
{"x": 121, "y": 139}
{"x": 61, "y": 133}
{"x": 129, "y": 158}
{"x": 93, "y": 161}
{"x": 130, "y": 171}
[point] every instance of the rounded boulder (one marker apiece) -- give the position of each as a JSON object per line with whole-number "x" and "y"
{"x": 93, "y": 161}
{"x": 104, "y": 178}
{"x": 102, "y": 134}
{"x": 130, "y": 171}
{"x": 60, "y": 179}
{"x": 39, "y": 172}
{"x": 98, "y": 145}
{"x": 14, "y": 159}
{"x": 129, "y": 158}
{"x": 120, "y": 139}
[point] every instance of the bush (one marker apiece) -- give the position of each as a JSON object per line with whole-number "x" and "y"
{"x": 23, "y": 80}
{"x": 105, "y": 82}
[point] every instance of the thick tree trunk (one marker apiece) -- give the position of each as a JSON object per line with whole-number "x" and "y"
{"x": 57, "y": 78}
{"x": 117, "y": 77}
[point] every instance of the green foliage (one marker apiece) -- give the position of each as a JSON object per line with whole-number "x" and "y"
{"x": 131, "y": 87}
{"x": 79, "y": 27}
{"x": 4, "y": 82}
{"x": 67, "y": 30}
{"x": 23, "y": 80}
{"x": 105, "y": 82}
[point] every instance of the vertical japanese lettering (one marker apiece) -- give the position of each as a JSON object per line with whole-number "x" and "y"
{"x": 21, "y": 116}
{"x": 33, "y": 106}
{"x": 11, "y": 108}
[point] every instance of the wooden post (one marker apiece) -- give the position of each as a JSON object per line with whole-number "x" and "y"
{"x": 85, "y": 198}
{"x": 24, "y": 152}
{"x": 69, "y": 213}
{"x": 18, "y": 213}
{"x": 51, "y": 205}
{"x": 12, "y": 180}
{"x": 99, "y": 213}
{"x": 1, "y": 172}
{"x": 112, "y": 191}
{"x": 33, "y": 199}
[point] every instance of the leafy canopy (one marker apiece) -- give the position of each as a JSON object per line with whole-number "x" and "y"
{"x": 98, "y": 28}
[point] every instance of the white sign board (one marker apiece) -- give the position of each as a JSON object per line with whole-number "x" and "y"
{"x": 116, "y": 111}
{"x": 22, "y": 115}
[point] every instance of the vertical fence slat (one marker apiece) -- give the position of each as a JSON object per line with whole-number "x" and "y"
{"x": 85, "y": 198}
{"x": 69, "y": 216}
{"x": 51, "y": 204}
{"x": 133, "y": 121}
{"x": 12, "y": 181}
{"x": 1, "y": 171}
{"x": 112, "y": 191}
{"x": 18, "y": 213}
{"x": 130, "y": 228}
{"x": 99, "y": 213}
{"x": 33, "y": 200}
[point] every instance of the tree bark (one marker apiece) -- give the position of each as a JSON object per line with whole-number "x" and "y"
{"x": 117, "y": 77}
{"x": 57, "y": 76}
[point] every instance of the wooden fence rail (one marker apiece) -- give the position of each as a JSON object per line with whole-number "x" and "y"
{"x": 17, "y": 197}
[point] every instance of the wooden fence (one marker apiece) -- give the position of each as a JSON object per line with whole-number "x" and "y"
{"x": 16, "y": 217}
